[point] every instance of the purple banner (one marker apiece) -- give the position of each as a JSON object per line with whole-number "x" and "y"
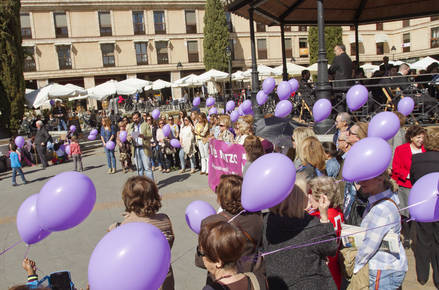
{"x": 224, "y": 159}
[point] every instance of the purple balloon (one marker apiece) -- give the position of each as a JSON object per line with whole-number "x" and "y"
{"x": 123, "y": 136}
{"x": 210, "y": 101}
{"x": 283, "y": 108}
{"x": 284, "y": 90}
{"x": 213, "y": 110}
{"x": 155, "y": 114}
{"x": 294, "y": 84}
{"x": 246, "y": 107}
{"x": 230, "y": 106}
{"x": 240, "y": 111}
{"x": 94, "y": 132}
{"x": 406, "y": 106}
{"x": 133, "y": 256}
{"x": 321, "y": 110}
{"x": 19, "y": 141}
{"x": 166, "y": 130}
{"x": 383, "y": 125}
{"x": 52, "y": 102}
{"x": 65, "y": 201}
{"x": 234, "y": 116}
{"x": 27, "y": 222}
{"x": 110, "y": 145}
{"x": 261, "y": 98}
{"x": 67, "y": 149}
{"x": 268, "y": 85}
{"x": 208, "y": 118}
{"x": 72, "y": 128}
{"x": 175, "y": 143}
{"x": 356, "y": 97}
{"x": 91, "y": 137}
{"x": 197, "y": 211}
{"x": 425, "y": 189}
{"x": 196, "y": 102}
{"x": 267, "y": 182}
{"x": 367, "y": 159}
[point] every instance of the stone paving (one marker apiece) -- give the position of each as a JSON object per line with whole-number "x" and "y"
{"x": 71, "y": 249}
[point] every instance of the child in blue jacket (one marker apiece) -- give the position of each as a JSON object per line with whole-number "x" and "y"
{"x": 16, "y": 165}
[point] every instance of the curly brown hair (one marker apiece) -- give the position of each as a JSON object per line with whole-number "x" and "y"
{"x": 327, "y": 186}
{"x": 229, "y": 193}
{"x": 141, "y": 196}
{"x": 431, "y": 143}
{"x": 413, "y": 131}
{"x": 253, "y": 148}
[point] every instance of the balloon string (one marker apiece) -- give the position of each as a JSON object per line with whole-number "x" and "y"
{"x": 11, "y": 247}
{"x": 239, "y": 213}
{"x": 27, "y": 251}
{"x": 420, "y": 202}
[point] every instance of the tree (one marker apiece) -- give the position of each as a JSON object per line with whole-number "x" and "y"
{"x": 216, "y": 36}
{"x": 11, "y": 66}
{"x": 333, "y": 36}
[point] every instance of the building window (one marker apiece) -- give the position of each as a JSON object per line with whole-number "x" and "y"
{"x": 60, "y": 24}
{"x": 26, "y": 31}
{"x": 288, "y": 48}
{"x": 229, "y": 21}
{"x": 379, "y": 26}
{"x": 138, "y": 22}
{"x": 303, "y": 28}
{"x": 192, "y": 51}
{"x": 287, "y": 28}
{"x": 29, "y": 59}
{"x": 108, "y": 54}
{"x": 435, "y": 37}
{"x": 434, "y": 18}
{"x": 352, "y": 28}
{"x": 105, "y": 23}
{"x": 303, "y": 47}
{"x": 191, "y": 21}
{"x": 353, "y": 48}
{"x": 262, "y": 48}
{"x": 64, "y": 57}
{"x": 141, "y": 52}
{"x": 406, "y": 23}
{"x": 159, "y": 22}
{"x": 406, "y": 42}
{"x": 260, "y": 27}
{"x": 380, "y": 48}
{"x": 232, "y": 48}
{"x": 162, "y": 52}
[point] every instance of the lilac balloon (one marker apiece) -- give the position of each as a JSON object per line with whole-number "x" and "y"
{"x": 94, "y": 132}
{"x": 261, "y": 98}
{"x": 230, "y": 106}
{"x": 284, "y": 90}
{"x": 234, "y": 116}
{"x": 240, "y": 112}
{"x": 384, "y": 125}
{"x": 208, "y": 118}
{"x": 268, "y": 85}
{"x": 52, "y": 102}
{"x": 155, "y": 114}
{"x": 67, "y": 149}
{"x": 367, "y": 159}
{"x": 27, "y": 222}
{"x": 123, "y": 136}
{"x": 321, "y": 110}
{"x": 406, "y": 106}
{"x": 425, "y": 189}
{"x": 246, "y": 107}
{"x": 19, "y": 141}
{"x": 294, "y": 84}
{"x": 196, "y": 102}
{"x": 133, "y": 256}
{"x": 356, "y": 97}
{"x": 267, "y": 182}
{"x": 65, "y": 201}
{"x": 110, "y": 145}
{"x": 166, "y": 130}
{"x": 197, "y": 211}
{"x": 175, "y": 143}
{"x": 91, "y": 137}
{"x": 283, "y": 109}
{"x": 213, "y": 110}
{"x": 210, "y": 101}
{"x": 72, "y": 128}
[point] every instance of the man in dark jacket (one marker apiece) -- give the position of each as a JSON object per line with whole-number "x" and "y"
{"x": 341, "y": 66}
{"x": 60, "y": 113}
{"x": 41, "y": 139}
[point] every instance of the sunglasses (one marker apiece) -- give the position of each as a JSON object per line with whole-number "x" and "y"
{"x": 222, "y": 125}
{"x": 149, "y": 119}
{"x": 199, "y": 253}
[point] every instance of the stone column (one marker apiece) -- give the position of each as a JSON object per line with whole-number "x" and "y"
{"x": 176, "y": 92}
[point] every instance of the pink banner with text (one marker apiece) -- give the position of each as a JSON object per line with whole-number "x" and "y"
{"x": 224, "y": 159}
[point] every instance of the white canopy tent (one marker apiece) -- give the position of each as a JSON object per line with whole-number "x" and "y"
{"x": 239, "y": 76}
{"x": 370, "y": 68}
{"x": 136, "y": 83}
{"x": 41, "y": 96}
{"x": 110, "y": 88}
{"x": 212, "y": 75}
{"x": 79, "y": 90}
{"x": 78, "y": 98}
{"x": 263, "y": 71}
{"x": 187, "y": 81}
{"x": 292, "y": 69}
{"x": 423, "y": 63}
{"x": 314, "y": 67}
{"x": 158, "y": 85}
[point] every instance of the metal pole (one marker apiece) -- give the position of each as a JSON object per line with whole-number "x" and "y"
{"x": 230, "y": 82}
{"x": 284, "y": 58}
{"x": 255, "y": 77}
{"x": 323, "y": 89}
{"x": 357, "y": 46}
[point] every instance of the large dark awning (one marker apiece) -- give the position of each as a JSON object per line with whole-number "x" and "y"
{"x": 337, "y": 12}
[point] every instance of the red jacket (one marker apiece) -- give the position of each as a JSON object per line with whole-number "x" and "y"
{"x": 75, "y": 148}
{"x": 402, "y": 161}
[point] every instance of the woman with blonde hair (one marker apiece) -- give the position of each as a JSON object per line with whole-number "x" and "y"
{"x": 299, "y": 134}
{"x": 244, "y": 130}
{"x": 313, "y": 158}
{"x": 224, "y": 125}
{"x": 201, "y": 135}
{"x": 108, "y": 133}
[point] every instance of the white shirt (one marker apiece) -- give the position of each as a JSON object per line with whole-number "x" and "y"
{"x": 139, "y": 141}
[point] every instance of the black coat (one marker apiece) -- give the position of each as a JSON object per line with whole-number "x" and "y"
{"x": 341, "y": 68}
{"x": 423, "y": 164}
{"x": 42, "y": 136}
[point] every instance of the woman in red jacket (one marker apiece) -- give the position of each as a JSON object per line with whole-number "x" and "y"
{"x": 402, "y": 161}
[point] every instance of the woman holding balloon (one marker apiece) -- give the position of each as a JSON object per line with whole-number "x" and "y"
{"x": 108, "y": 134}
{"x": 187, "y": 141}
{"x": 124, "y": 147}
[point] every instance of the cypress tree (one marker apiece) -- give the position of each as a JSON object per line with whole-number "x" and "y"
{"x": 333, "y": 36}
{"x": 216, "y": 36}
{"x": 12, "y": 85}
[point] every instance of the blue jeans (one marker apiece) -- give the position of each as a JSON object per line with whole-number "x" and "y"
{"x": 183, "y": 160}
{"x": 143, "y": 163}
{"x": 62, "y": 124}
{"x": 155, "y": 158}
{"x": 111, "y": 159}
{"x": 14, "y": 174}
{"x": 386, "y": 279}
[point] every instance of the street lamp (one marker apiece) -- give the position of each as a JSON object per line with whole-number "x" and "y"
{"x": 229, "y": 57}
{"x": 393, "y": 49}
{"x": 179, "y": 66}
